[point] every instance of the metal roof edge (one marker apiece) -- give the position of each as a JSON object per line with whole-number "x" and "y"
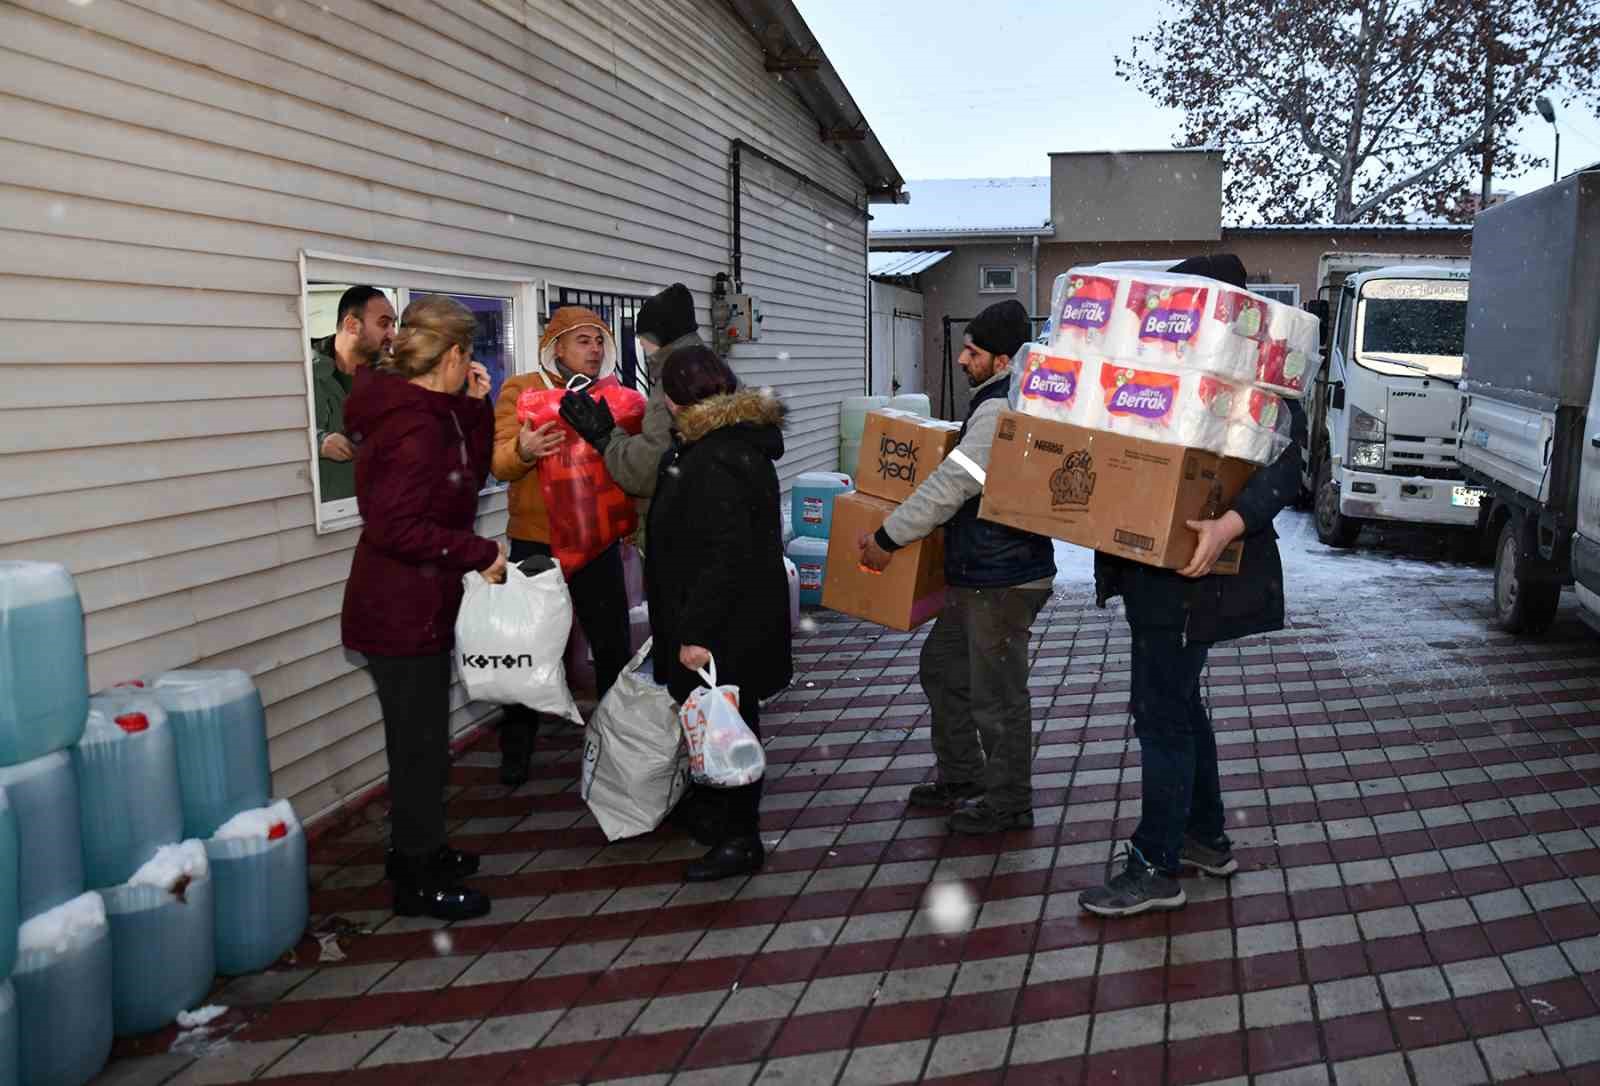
{"x": 793, "y": 52}
{"x": 953, "y": 237}
{"x": 1350, "y": 228}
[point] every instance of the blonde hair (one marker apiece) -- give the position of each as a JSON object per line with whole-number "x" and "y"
{"x": 429, "y": 327}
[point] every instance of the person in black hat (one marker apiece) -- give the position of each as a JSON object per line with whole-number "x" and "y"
{"x": 664, "y": 326}
{"x": 1175, "y": 617}
{"x": 975, "y": 661}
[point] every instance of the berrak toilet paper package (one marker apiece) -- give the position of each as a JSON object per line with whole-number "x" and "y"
{"x": 1183, "y": 322}
{"x": 1181, "y": 407}
{"x": 1288, "y": 360}
{"x": 1052, "y": 387}
{"x": 1259, "y": 430}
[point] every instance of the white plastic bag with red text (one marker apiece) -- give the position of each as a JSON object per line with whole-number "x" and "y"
{"x": 723, "y": 751}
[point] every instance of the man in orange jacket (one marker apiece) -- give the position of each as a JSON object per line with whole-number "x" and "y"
{"x": 575, "y": 341}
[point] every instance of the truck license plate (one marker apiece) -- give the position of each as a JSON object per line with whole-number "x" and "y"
{"x": 1466, "y": 497}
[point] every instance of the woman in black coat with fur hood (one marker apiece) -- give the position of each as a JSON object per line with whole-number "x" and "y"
{"x": 715, "y": 574}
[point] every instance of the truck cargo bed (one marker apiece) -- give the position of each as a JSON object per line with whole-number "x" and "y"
{"x": 1532, "y": 334}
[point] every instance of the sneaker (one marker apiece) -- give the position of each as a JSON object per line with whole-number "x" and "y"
{"x": 944, "y": 793}
{"x": 1139, "y": 888}
{"x": 979, "y": 817}
{"x": 1213, "y": 861}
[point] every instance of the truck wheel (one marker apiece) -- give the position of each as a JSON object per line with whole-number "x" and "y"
{"x": 1523, "y": 601}
{"x": 1333, "y": 527}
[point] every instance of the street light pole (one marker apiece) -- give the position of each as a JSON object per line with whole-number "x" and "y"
{"x": 1547, "y": 110}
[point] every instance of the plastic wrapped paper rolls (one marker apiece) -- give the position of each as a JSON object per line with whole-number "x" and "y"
{"x": 1179, "y": 408}
{"x": 128, "y": 801}
{"x": 258, "y": 874}
{"x": 1290, "y": 353}
{"x": 63, "y": 985}
{"x": 220, "y": 731}
{"x": 163, "y": 939}
{"x": 1259, "y": 429}
{"x": 44, "y": 679}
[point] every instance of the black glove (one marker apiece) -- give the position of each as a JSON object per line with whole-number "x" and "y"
{"x": 592, "y": 419}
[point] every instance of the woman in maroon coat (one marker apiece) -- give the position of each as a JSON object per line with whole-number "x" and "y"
{"x": 425, "y": 430}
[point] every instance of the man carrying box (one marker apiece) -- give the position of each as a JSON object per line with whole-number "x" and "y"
{"x": 1175, "y": 617}
{"x": 975, "y": 661}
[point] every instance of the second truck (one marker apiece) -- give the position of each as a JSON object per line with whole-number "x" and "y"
{"x": 1384, "y": 410}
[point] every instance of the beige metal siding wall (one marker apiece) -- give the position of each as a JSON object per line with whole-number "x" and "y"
{"x": 163, "y": 164}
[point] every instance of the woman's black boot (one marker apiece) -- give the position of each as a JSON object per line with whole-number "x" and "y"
{"x": 422, "y": 888}
{"x": 735, "y": 856}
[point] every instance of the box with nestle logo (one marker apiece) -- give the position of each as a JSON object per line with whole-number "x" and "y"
{"x": 899, "y": 450}
{"x": 1122, "y": 495}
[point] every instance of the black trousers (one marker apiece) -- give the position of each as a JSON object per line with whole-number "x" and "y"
{"x": 414, "y": 692}
{"x": 600, "y": 604}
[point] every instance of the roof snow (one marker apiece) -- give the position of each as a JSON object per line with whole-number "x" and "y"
{"x": 977, "y": 205}
{"x": 1003, "y": 205}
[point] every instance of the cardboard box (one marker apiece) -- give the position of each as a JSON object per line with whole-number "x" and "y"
{"x": 899, "y": 450}
{"x": 1122, "y": 495}
{"x": 902, "y": 597}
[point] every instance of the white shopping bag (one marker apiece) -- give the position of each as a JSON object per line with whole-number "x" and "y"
{"x": 634, "y": 766}
{"x": 723, "y": 751}
{"x": 510, "y": 639}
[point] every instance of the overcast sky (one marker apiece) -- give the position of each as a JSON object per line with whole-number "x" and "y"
{"x": 963, "y": 88}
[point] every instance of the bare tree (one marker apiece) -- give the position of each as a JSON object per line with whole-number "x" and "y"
{"x": 1358, "y": 110}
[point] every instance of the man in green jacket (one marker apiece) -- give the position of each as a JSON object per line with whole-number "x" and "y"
{"x": 364, "y": 331}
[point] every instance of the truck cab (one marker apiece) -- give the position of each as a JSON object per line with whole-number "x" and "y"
{"x": 1384, "y": 411}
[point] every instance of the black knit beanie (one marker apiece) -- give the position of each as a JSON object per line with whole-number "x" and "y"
{"x": 667, "y": 316}
{"x": 1001, "y": 329}
{"x": 694, "y": 374}
{"x": 1223, "y": 267}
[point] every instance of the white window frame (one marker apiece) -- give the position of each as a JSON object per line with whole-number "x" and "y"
{"x": 983, "y": 279}
{"x": 326, "y": 267}
{"x": 1293, "y": 287}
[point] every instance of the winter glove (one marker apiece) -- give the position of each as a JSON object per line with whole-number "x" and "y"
{"x": 592, "y": 419}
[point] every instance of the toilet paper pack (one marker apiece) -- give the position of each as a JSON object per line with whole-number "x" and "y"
{"x": 1289, "y": 356}
{"x": 1178, "y": 407}
{"x": 1259, "y": 429}
{"x": 1053, "y": 387}
{"x": 1083, "y": 313}
{"x": 1184, "y": 321}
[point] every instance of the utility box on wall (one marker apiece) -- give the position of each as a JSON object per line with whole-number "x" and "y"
{"x": 735, "y": 319}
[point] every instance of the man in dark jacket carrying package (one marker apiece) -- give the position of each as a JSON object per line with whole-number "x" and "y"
{"x": 975, "y": 661}
{"x": 1175, "y": 617}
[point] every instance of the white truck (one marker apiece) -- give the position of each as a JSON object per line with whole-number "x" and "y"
{"x": 1530, "y": 430}
{"x": 1383, "y": 412}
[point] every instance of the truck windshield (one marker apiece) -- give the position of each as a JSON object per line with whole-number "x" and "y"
{"x": 1421, "y": 322}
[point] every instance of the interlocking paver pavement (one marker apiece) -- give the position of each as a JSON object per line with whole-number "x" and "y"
{"x": 1411, "y": 794}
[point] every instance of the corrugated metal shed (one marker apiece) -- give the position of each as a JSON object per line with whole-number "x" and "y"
{"x": 890, "y": 264}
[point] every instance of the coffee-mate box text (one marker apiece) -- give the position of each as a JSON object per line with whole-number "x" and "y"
{"x": 899, "y": 450}
{"x": 902, "y": 597}
{"x": 1123, "y": 495}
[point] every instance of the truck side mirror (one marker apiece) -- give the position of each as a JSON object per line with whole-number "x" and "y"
{"x": 1319, "y": 308}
